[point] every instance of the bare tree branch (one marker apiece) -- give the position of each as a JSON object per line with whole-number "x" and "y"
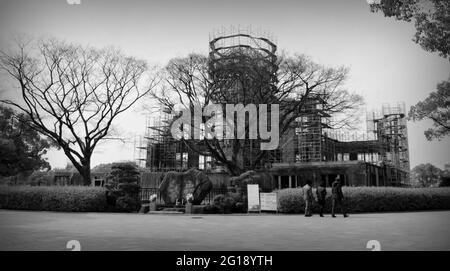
{"x": 73, "y": 94}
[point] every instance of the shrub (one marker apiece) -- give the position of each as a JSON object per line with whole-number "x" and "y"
{"x": 372, "y": 199}
{"x": 129, "y": 188}
{"x": 231, "y": 202}
{"x": 53, "y": 198}
{"x": 123, "y": 184}
{"x": 240, "y": 207}
{"x": 240, "y": 202}
{"x": 445, "y": 181}
{"x": 291, "y": 201}
{"x": 38, "y": 178}
{"x": 224, "y": 203}
{"x": 211, "y": 209}
{"x": 127, "y": 204}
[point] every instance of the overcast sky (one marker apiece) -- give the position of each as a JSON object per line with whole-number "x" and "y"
{"x": 385, "y": 65}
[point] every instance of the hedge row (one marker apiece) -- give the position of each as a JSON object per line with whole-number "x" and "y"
{"x": 53, "y": 198}
{"x": 358, "y": 199}
{"x": 372, "y": 199}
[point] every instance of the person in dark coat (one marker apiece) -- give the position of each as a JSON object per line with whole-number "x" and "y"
{"x": 337, "y": 197}
{"x": 308, "y": 196}
{"x": 321, "y": 193}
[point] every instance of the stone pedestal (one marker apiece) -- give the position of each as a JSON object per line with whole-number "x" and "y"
{"x": 144, "y": 209}
{"x": 189, "y": 208}
{"x": 152, "y": 206}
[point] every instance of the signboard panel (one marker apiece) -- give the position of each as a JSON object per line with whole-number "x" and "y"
{"x": 269, "y": 202}
{"x": 253, "y": 198}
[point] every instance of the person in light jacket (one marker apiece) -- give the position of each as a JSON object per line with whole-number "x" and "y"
{"x": 308, "y": 196}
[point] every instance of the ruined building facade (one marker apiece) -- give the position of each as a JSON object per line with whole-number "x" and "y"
{"x": 311, "y": 149}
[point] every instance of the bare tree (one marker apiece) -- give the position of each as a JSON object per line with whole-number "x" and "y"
{"x": 72, "y": 94}
{"x": 298, "y": 80}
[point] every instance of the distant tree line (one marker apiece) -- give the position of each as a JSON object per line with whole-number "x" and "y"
{"x": 426, "y": 175}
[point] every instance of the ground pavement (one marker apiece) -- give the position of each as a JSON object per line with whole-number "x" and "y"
{"x": 23, "y": 230}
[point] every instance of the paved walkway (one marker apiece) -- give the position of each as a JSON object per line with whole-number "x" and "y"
{"x": 22, "y": 230}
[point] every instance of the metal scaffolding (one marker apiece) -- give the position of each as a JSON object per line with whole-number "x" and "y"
{"x": 311, "y": 140}
{"x": 385, "y": 144}
{"x": 163, "y": 152}
{"x": 391, "y": 131}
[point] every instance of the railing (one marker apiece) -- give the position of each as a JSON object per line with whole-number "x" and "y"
{"x": 213, "y": 193}
{"x": 145, "y": 194}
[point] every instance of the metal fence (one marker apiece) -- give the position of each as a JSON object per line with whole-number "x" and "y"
{"x": 145, "y": 194}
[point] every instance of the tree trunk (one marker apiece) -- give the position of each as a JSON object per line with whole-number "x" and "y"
{"x": 234, "y": 169}
{"x": 86, "y": 174}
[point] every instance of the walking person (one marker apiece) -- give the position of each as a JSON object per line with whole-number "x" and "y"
{"x": 337, "y": 197}
{"x": 321, "y": 193}
{"x": 308, "y": 196}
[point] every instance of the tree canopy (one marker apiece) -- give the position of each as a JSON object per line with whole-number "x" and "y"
{"x": 21, "y": 147}
{"x": 425, "y": 175}
{"x": 435, "y": 107}
{"x": 431, "y": 19}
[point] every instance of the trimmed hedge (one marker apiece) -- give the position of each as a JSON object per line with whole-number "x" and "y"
{"x": 372, "y": 199}
{"x": 53, "y": 198}
{"x": 358, "y": 199}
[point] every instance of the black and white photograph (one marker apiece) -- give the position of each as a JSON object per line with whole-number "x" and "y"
{"x": 241, "y": 127}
